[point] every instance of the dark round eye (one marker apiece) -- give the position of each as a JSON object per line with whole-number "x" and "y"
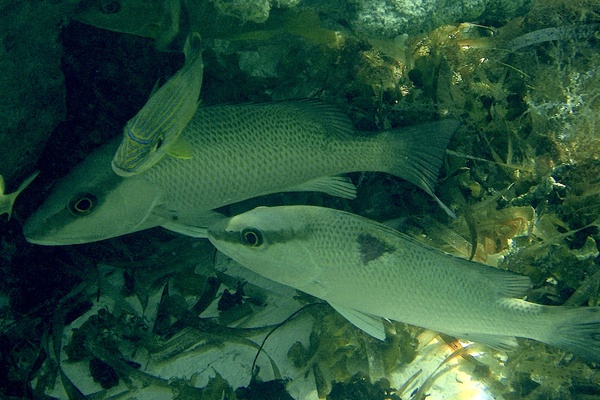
{"x": 82, "y": 204}
{"x": 252, "y": 237}
{"x": 110, "y": 7}
{"x": 159, "y": 143}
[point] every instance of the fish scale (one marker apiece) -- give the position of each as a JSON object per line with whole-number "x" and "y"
{"x": 236, "y": 152}
{"x": 368, "y": 271}
{"x": 246, "y": 151}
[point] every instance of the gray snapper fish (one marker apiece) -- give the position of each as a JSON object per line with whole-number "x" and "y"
{"x": 237, "y": 152}
{"x": 367, "y": 270}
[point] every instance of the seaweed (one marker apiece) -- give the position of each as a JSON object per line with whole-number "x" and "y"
{"x": 359, "y": 387}
{"x": 521, "y": 174}
{"x": 269, "y": 390}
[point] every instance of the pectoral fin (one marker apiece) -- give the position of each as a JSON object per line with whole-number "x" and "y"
{"x": 169, "y": 219}
{"x": 365, "y": 322}
{"x": 180, "y": 149}
{"x": 340, "y": 186}
{"x": 188, "y": 230}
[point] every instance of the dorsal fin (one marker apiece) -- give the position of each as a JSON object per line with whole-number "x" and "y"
{"x": 508, "y": 283}
{"x": 336, "y": 122}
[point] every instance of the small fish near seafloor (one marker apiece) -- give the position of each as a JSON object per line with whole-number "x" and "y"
{"x": 8, "y": 200}
{"x": 237, "y": 152}
{"x": 368, "y": 271}
{"x": 154, "y": 131}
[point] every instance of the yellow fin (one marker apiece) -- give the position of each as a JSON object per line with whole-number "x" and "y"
{"x": 7, "y": 200}
{"x": 180, "y": 149}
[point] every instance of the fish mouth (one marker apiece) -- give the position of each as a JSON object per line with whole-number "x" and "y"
{"x": 45, "y": 242}
{"x": 39, "y": 230}
{"x": 36, "y": 234}
{"x": 32, "y": 231}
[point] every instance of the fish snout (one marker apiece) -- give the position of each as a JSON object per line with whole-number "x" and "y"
{"x": 35, "y": 231}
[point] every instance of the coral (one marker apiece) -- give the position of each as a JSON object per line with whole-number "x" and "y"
{"x": 564, "y": 101}
{"x": 390, "y": 18}
{"x": 32, "y": 84}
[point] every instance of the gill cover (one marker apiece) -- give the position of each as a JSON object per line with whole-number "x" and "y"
{"x": 92, "y": 203}
{"x": 269, "y": 242}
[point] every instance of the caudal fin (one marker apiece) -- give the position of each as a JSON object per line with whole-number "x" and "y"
{"x": 419, "y": 152}
{"x": 579, "y": 333}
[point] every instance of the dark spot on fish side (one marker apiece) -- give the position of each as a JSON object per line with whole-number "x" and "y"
{"x": 229, "y": 300}
{"x": 371, "y": 248}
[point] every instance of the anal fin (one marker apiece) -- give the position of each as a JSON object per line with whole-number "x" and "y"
{"x": 494, "y": 341}
{"x": 365, "y": 322}
{"x": 339, "y": 186}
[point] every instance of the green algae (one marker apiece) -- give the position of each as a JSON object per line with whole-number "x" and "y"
{"x": 524, "y": 167}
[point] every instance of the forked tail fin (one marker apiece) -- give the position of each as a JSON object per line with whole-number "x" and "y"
{"x": 578, "y": 332}
{"x": 420, "y": 153}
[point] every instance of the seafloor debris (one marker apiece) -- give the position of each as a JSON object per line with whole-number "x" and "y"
{"x": 522, "y": 176}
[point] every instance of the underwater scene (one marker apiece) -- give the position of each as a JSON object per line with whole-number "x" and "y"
{"x": 300, "y": 199}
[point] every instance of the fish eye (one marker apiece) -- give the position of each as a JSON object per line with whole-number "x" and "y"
{"x": 110, "y": 7}
{"x": 159, "y": 143}
{"x": 252, "y": 237}
{"x": 82, "y": 204}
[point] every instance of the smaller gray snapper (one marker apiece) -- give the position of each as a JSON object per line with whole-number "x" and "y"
{"x": 236, "y": 152}
{"x": 368, "y": 271}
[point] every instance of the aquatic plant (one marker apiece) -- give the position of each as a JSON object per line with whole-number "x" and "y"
{"x": 522, "y": 175}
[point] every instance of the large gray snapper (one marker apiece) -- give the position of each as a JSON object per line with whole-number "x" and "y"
{"x": 238, "y": 152}
{"x": 366, "y": 270}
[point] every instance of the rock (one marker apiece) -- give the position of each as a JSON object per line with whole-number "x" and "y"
{"x": 31, "y": 83}
{"x": 386, "y": 19}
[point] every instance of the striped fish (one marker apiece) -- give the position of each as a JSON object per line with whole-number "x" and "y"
{"x": 156, "y": 128}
